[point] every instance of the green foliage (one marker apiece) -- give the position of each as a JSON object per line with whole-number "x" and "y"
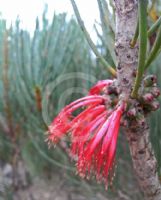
{"x": 155, "y": 125}
{"x": 33, "y": 64}
{"x": 109, "y": 63}
{"x": 39, "y": 70}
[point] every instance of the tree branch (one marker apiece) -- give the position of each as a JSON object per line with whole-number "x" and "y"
{"x": 144, "y": 161}
{"x": 137, "y": 131}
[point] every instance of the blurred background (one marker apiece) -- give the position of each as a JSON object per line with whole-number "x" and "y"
{"x": 45, "y": 63}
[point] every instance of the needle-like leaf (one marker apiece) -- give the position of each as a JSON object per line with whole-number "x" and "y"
{"x": 155, "y": 49}
{"x": 89, "y": 40}
{"x": 154, "y": 27}
{"x": 142, "y": 45}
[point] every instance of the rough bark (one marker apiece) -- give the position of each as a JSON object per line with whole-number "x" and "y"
{"x": 144, "y": 161}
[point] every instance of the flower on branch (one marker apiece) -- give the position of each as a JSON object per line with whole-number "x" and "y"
{"x": 93, "y": 132}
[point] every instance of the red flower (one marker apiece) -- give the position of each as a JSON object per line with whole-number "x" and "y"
{"x": 94, "y": 132}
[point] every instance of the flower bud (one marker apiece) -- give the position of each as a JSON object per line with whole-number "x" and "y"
{"x": 131, "y": 113}
{"x": 156, "y": 92}
{"x": 150, "y": 80}
{"x": 148, "y": 97}
{"x": 155, "y": 105}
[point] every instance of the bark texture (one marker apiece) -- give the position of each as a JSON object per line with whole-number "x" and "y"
{"x": 144, "y": 161}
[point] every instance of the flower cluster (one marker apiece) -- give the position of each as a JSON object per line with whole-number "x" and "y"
{"x": 93, "y": 132}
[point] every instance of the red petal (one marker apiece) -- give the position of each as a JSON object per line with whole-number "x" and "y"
{"x": 91, "y": 102}
{"x": 87, "y": 159}
{"x": 113, "y": 130}
{"x": 61, "y": 124}
{"x": 96, "y": 89}
{"x": 110, "y": 141}
{"x": 92, "y": 97}
{"x": 81, "y": 132}
{"x": 99, "y": 135}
